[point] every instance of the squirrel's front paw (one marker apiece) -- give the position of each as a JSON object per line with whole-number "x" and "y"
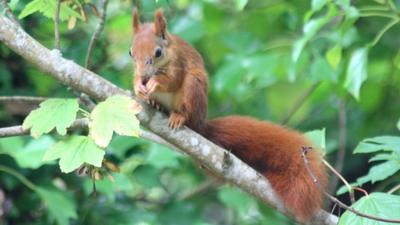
{"x": 141, "y": 91}
{"x": 152, "y": 86}
{"x": 176, "y": 120}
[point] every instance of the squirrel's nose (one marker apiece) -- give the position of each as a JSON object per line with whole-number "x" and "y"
{"x": 149, "y": 61}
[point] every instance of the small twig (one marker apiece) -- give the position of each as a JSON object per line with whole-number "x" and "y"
{"x": 8, "y": 11}
{"x": 342, "y": 147}
{"x": 21, "y": 99}
{"x": 19, "y": 131}
{"x": 349, "y": 187}
{"x": 300, "y": 101}
{"x": 361, "y": 190}
{"x": 304, "y": 151}
{"x": 96, "y": 34}
{"x": 391, "y": 191}
{"x": 57, "y": 25}
{"x": 19, "y": 176}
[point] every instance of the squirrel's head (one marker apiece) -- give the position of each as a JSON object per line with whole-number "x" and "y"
{"x": 149, "y": 49}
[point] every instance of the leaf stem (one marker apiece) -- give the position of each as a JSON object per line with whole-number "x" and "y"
{"x": 19, "y": 177}
{"x": 378, "y": 14}
{"x": 84, "y": 112}
{"x": 383, "y": 31}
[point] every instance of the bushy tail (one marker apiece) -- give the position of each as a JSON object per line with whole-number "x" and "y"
{"x": 275, "y": 152}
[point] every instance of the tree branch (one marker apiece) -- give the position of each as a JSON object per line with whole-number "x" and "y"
{"x": 21, "y": 99}
{"x": 186, "y": 140}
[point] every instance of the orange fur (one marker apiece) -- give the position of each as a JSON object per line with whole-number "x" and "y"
{"x": 179, "y": 84}
{"x": 181, "y": 73}
{"x": 275, "y": 152}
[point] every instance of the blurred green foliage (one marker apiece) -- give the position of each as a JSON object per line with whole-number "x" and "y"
{"x": 262, "y": 56}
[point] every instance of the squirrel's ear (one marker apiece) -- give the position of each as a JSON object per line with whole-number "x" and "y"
{"x": 135, "y": 20}
{"x": 160, "y": 24}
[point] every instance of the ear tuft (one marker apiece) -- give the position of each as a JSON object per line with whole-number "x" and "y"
{"x": 135, "y": 20}
{"x": 160, "y": 24}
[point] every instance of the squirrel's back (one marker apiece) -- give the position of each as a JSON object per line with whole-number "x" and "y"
{"x": 275, "y": 152}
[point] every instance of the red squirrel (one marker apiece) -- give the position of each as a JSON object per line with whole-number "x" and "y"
{"x": 171, "y": 73}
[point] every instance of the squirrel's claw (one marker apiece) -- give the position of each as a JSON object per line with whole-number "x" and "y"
{"x": 155, "y": 104}
{"x": 176, "y": 120}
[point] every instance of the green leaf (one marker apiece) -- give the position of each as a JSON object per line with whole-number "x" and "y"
{"x": 236, "y": 199}
{"x": 31, "y": 156}
{"x": 318, "y": 138}
{"x": 334, "y": 55}
{"x": 376, "y": 204}
{"x": 48, "y": 9}
{"x": 383, "y": 156}
{"x": 53, "y": 113}
{"x": 59, "y": 206}
{"x": 357, "y": 71}
{"x": 240, "y": 4}
{"x": 75, "y": 151}
{"x": 388, "y": 143}
{"x": 380, "y": 172}
{"x": 116, "y": 113}
{"x": 28, "y": 156}
{"x": 9, "y": 145}
{"x": 318, "y": 4}
{"x": 322, "y": 71}
{"x": 310, "y": 29}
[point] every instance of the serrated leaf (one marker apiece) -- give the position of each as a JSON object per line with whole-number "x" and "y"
{"x": 388, "y": 143}
{"x": 334, "y": 56}
{"x": 59, "y": 206}
{"x": 53, "y": 113}
{"x": 357, "y": 72}
{"x": 376, "y": 204}
{"x": 48, "y": 9}
{"x": 115, "y": 114}
{"x": 380, "y": 172}
{"x": 75, "y": 151}
{"x": 383, "y": 156}
{"x": 318, "y": 138}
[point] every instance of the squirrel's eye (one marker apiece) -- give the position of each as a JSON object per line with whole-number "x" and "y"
{"x": 158, "y": 52}
{"x": 130, "y": 53}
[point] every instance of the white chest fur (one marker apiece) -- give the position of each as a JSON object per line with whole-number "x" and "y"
{"x": 165, "y": 99}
